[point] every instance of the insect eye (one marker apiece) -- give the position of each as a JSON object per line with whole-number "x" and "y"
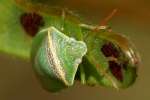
{"x": 31, "y": 23}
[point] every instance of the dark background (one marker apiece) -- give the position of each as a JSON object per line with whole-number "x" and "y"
{"x": 18, "y": 82}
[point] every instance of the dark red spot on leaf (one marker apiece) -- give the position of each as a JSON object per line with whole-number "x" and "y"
{"x": 116, "y": 70}
{"x": 109, "y": 50}
{"x": 31, "y": 23}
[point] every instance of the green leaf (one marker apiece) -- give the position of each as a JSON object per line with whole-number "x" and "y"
{"x": 114, "y": 67}
{"x": 14, "y": 40}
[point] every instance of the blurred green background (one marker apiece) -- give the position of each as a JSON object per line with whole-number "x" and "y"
{"x": 17, "y": 79}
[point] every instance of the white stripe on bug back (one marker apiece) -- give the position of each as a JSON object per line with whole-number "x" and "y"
{"x": 58, "y": 69}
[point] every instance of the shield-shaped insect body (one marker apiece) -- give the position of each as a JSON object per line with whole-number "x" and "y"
{"x": 56, "y": 57}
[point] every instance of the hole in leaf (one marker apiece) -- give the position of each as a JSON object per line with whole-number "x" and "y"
{"x": 31, "y": 23}
{"x": 109, "y": 50}
{"x": 116, "y": 70}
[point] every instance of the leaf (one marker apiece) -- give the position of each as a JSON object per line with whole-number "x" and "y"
{"x": 113, "y": 67}
{"x": 14, "y": 39}
{"x": 56, "y": 58}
